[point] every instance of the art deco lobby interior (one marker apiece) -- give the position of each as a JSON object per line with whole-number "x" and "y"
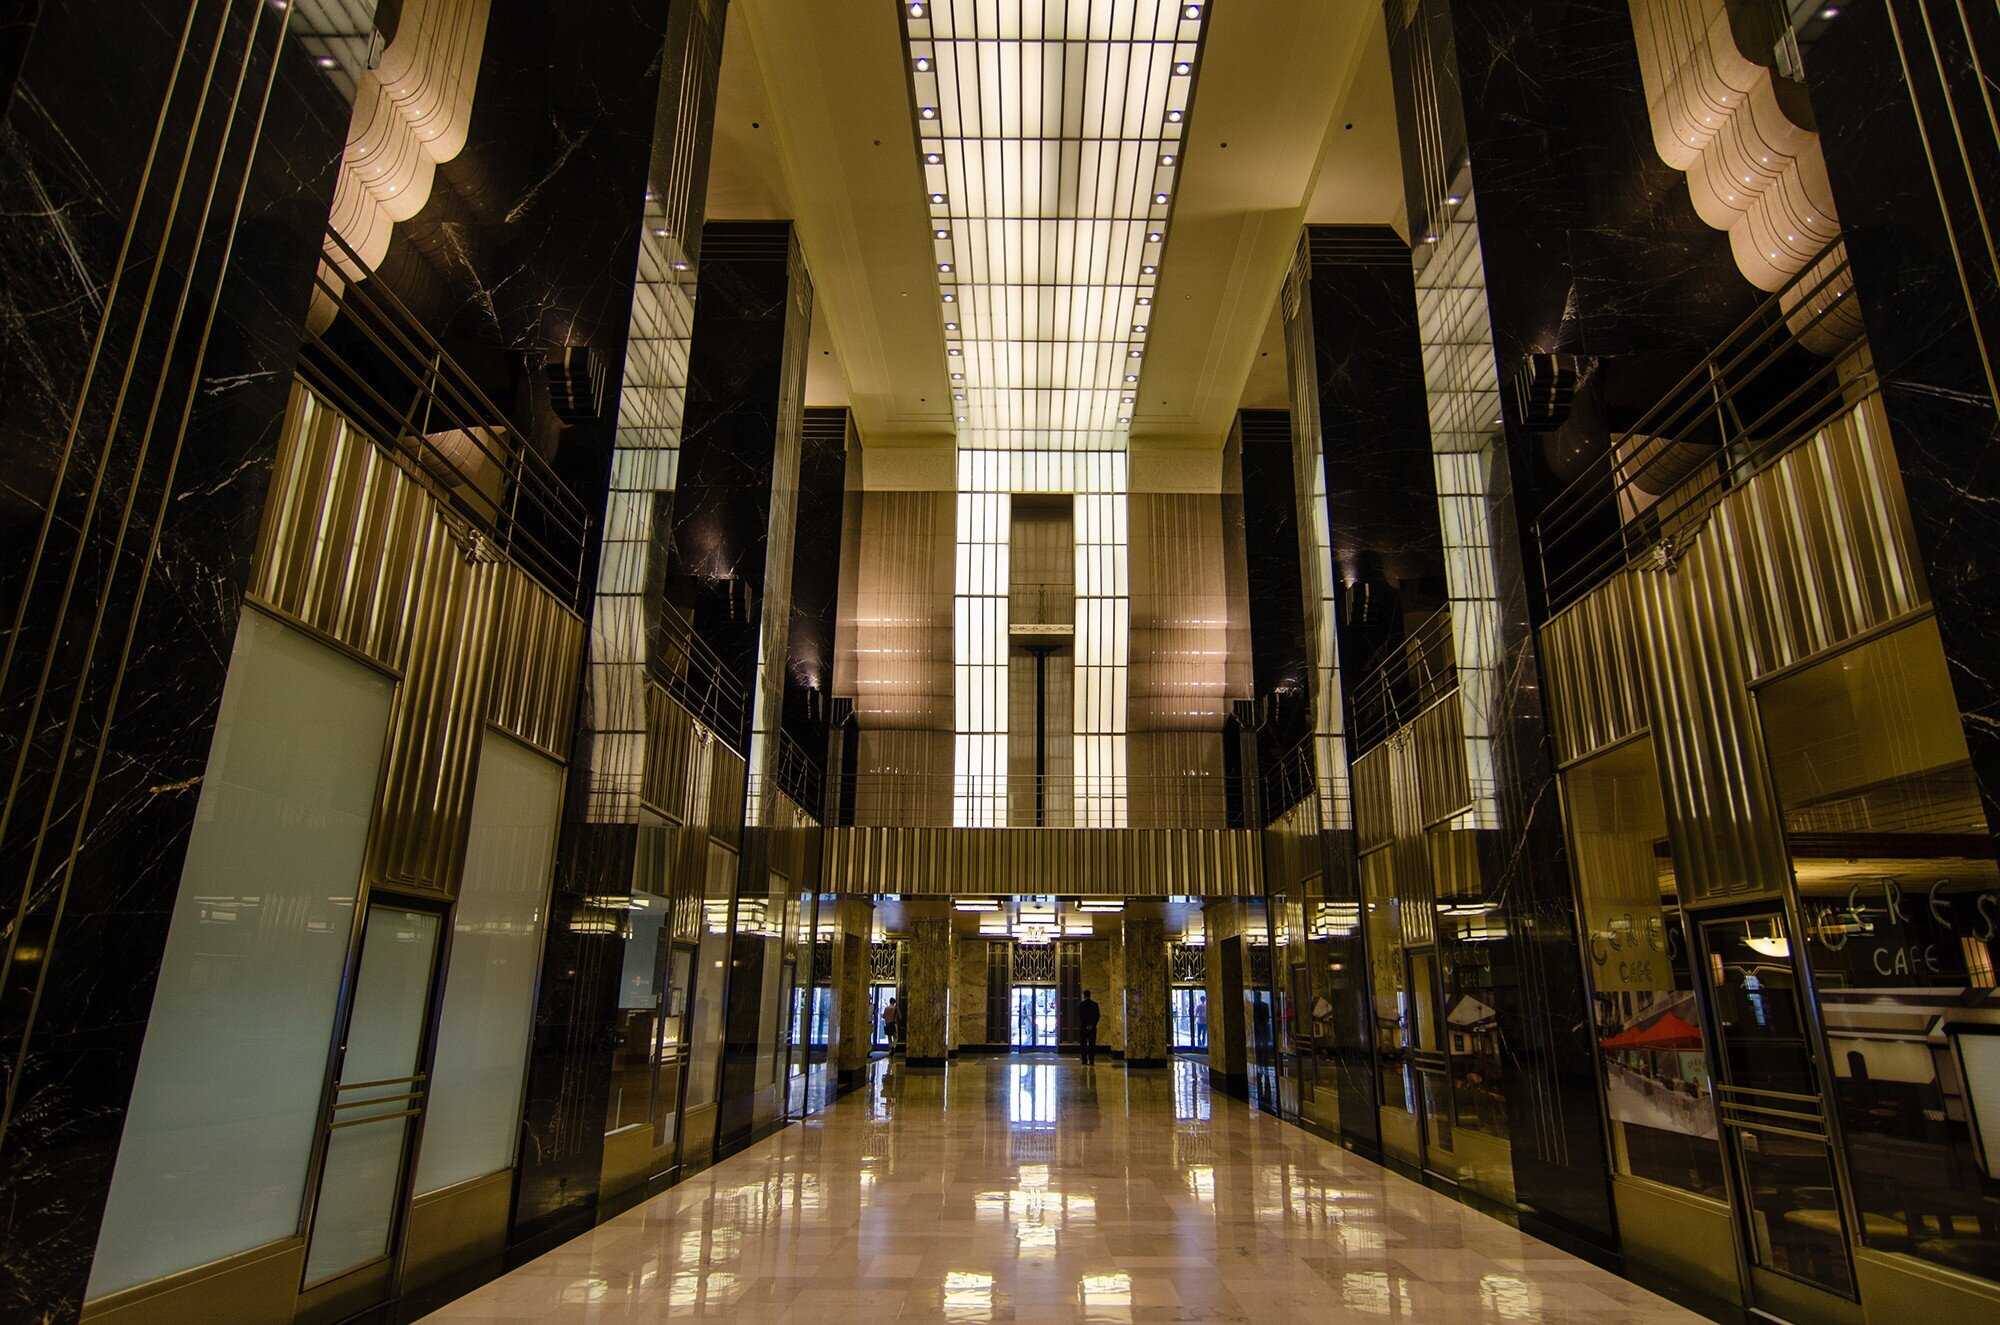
{"x": 805, "y": 661}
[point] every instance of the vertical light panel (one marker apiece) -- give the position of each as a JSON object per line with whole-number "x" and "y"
{"x": 979, "y": 643}
{"x": 1049, "y": 133}
{"x": 1462, "y": 380}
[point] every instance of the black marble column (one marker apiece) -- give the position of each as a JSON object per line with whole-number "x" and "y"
{"x": 1267, "y": 522}
{"x": 1525, "y": 128}
{"x": 1357, "y": 371}
{"x": 148, "y": 336}
{"x": 1909, "y": 180}
{"x": 817, "y": 565}
{"x": 735, "y": 520}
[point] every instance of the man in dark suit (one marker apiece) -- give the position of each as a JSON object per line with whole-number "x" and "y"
{"x": 1086, "y": 1024}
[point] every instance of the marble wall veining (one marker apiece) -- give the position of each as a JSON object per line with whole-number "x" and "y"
{"x": 1145, "y": 988}
{"x": 927, "y": 984}
{"x": 1908, "y": 176}
{"x": 165, "y": 174}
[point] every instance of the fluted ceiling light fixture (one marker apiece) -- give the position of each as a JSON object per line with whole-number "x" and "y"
{"x": 1050, "y": 137}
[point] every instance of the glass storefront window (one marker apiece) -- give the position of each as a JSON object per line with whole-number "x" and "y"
{"x": 1649, "y": 1032}
{"x": 1393, "y": 1023}
{"x": 1899, "y": 902}
{"x": 644, "y": 999}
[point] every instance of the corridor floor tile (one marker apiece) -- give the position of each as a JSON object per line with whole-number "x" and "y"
{"x": 1042, "y": 1191}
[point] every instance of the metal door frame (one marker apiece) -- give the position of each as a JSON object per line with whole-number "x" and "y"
{"x": 329, "y": 1298}
{"x": 1783, "y": 908}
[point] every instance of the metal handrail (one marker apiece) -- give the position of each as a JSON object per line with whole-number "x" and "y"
{"x": 1407, "y": 679}
{"x": 424, "y": 409}
{"x": 1746, "y": 404}
{"x": 688, "y": 668}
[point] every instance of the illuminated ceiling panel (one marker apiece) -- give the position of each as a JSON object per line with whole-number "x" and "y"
{"x": 1049, "y": 133}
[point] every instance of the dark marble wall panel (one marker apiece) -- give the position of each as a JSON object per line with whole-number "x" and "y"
{"x": 1590, "y": 248}
{"x": 147, "y": 343}
{"x": 818, "y": 563}
{"x": 1279, "y": 658}
{"x": 722, "y": 509}
{"x": 1909, "y": 183}
{"x": 1592, "y": 245}
{"x": 1381, "y": 483}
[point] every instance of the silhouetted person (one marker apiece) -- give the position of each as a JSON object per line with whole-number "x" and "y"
{"x": 1086, "y": 1025}
{"x": 892, "y": 1022}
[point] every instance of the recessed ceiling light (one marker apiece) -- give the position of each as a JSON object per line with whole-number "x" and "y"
{"x": 950, "y": 298}
{"x": 1139, "y": 327}
{"x": 1831, "y": 11}
{"x": 1454, "y": 200}
{"x": 1154, "y": 236}
{"x": 933, "y": 158}
{"x": 937, "y": 197}
{"x": 961, "y": 418}
{"x": 958, "y": 395}
{"x": 923, "y": 64}
{"x": 1124, "y": 418}
{"x": 953, "y": 351}
{"x": 944, "y": 266}
{"x": 1192, "y": 11}
{"x": 1125, "y": 400}
{"x": 1160, "y": 198}
{"x": 1166, "y": 158}
{"x": 1176, "y": 116}
{"x": 1183, "y": 68}
{"x": 1136, "y": 353}
{"x": 958, "y": 377}
{"x": 1131, "y": 377}
{"x": 661, "y": 231}
{"x": 1148, "y": 269}
{"x": 1430, "y": 239}
{"x": 941, "y": 234}
{"x": 916, "y": 11}
{"x": 1144, "y": 300}
{"x": 928, "y": 112}
{"x": 951, "y": 326}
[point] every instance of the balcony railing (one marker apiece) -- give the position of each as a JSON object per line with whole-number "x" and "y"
{"x": 686, "y": 667}
{"x": 381, "y": 368}
{"x": 1795, "y": 365}
{"x": 933, "y": 800}
{"x": 1407, "y": 679}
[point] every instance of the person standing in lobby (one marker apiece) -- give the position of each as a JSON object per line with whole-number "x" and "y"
{"x": 1087, "y": 1014}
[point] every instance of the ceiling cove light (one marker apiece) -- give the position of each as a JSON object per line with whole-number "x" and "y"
{"x": 992, "y": 80}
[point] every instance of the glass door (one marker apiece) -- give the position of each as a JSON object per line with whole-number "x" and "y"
{"x": 1189, "y": 1013}
{"x": 1431, "y": 1066}
{"x": 1034, "y": 1016}
{"x": 1791, "y": 1203}
{"x": 378, "y": 1098}
{"x": 878, "y": 1003}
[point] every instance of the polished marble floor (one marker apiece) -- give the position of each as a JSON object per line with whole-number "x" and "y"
{"x": 1040, "y": 1190}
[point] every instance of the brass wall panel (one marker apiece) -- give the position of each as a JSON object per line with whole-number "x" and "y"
{"x": 726, "y": 789}
{"x": 1436, "y": 739}
{"x": 425, "y": 800}
{"x": 537, "y": 658}
{"x": 1819, "y": 546}
{"x": 1722, "y": 821}
{"x": 1374, "y": 808}
{"x": 344, "y": 531}
{"x": 1293, "y": 851}
{"x": 1207, "y": 862}
{"x": 675, "y": 779}
{"x": 1591, "y": 668}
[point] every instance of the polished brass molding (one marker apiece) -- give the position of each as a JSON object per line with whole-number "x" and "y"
{"x": 1689, "y": 1238}
{"x": 1203, "y": 862}
{"x": 457, "y": 1227}
{"x": 1897, "y": 1288}
{"x": 255, "y": 1287}
{"x": 537, "y": 651}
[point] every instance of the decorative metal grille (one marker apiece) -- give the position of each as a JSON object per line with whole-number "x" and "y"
{"x": 822, "y": 973}
{"x": 1034, "y": 964}
{"x": 882, "y": 962}
{"x": 1260, "y": 964}
{"x": 1187, "y": 964}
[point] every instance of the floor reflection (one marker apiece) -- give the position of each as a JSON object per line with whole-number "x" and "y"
{"x": 1036, "y": 1189}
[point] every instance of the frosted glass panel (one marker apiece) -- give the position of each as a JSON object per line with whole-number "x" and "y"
{"x": 213, "y": 1156}
{"x": 489, "y": 994}
{"x": 371, "y": 1107}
